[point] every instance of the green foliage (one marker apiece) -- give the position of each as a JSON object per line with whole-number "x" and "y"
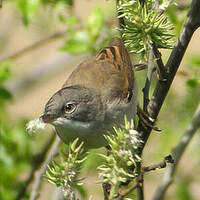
{"x": 195, "y": 61}
{"x": 79, "y": 42}
{"x": 194, "y": 82}
{"x": 5, "y": 95}
{"x": 144, "y": 26}
{"x": 4, "y": 75}
{"x": 4, "y": 71}
{"x": 94, "y": 23}
{"x": 28, "y": 9}
{"x": 64, "y": 174}
{"x": 15, "y": 148}
{"x": 176, "y": 17}
{"x": 83, "y": 40}
{"x": 119, "y": 166}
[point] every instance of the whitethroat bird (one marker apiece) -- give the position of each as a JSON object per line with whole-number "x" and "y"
{"x": 96, "y": 96}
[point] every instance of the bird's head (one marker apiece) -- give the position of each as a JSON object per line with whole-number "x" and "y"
{"x": 74, "y": 103}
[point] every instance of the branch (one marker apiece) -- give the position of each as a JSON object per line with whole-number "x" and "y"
{"x": 150, "y": 70}
{"x": 41, "y": 171}
{"x": 191, "y": 24}
{"x": 44, "y": 41}
{"x": 162, "y": 87}
{"x": 35, "y": 45}
{"x": 163, "y": 164}
{"x": 177, "y": 153}
{"x": 38, "y": 159}
{"x": 161, "y": 71}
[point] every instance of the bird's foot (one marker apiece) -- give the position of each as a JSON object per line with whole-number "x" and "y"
{"x": 146, "y": 120}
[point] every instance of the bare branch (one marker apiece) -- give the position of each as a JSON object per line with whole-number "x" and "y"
{"x": 161, "y": 71}
{"x": 151, "y": 69}
{"x": 44, "y": 41}
{"x": 191, "y": 24}
{"x": 163, "y": 164}
{"x": 38, "y": 174}
{"x": 177, "y": 153}
{"x": 37, "y": 161}
{"x": 35, "y": 45}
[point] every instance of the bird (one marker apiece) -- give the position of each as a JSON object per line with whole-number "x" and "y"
{"x": 95, "y": 97}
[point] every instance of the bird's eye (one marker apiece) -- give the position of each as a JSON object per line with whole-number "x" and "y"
{"x": 69, "y": 108}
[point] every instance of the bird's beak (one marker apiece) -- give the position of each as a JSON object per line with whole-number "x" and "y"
{"x": 47, "y": 118}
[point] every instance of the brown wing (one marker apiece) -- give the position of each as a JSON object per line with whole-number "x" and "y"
{"x": 109, "y": 72}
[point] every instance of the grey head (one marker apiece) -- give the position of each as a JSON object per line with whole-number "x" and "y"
{"x": 77, "y": 111}
{"x": 75, "y": 103}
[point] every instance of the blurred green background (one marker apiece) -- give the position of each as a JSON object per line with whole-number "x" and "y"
{"x": 27, "y": 82}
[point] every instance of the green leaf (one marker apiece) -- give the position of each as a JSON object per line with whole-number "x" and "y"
{"x": 28, "y": 9}
{"x": 95, "y": 22}
{"x": 71, "y": 21}
{"x": 4, "y": 71}
{"x": 5, "y": 94}
{"x": 78, "y": 43}
{"x": 73, "y": 144}
{"x": 192, "y": 82}
{"x": 196, "y": 61}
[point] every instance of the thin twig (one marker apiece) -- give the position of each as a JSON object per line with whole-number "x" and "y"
{"x": 161, "y": 71}
{"x": 162, "y": 87}
{"x": 38, "y": 174}
{"x": 191, "y": 24}
{"x": 38, "y": 160}
{"x": 44, "y": 41}
{"x": 151, "y": 69}
{"x": 177, "y": 153}
{"x": 35, "y": 45}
